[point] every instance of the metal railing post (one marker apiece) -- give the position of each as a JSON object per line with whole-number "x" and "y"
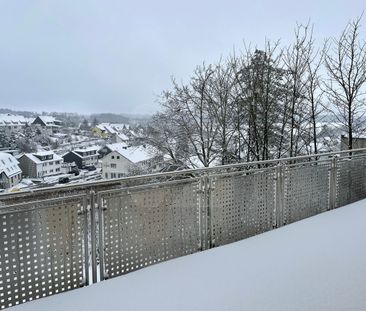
{"x": 202, "y": 213}
{"x": 101, "y": 238}
{"x": 93, "y": 236}
{"x": 205, "y": 226}
{"x": 333, "y": 183}
{"x": 210, "y": 237}
{"x": 280, "y": 196}
{"x": 86, "y": 240}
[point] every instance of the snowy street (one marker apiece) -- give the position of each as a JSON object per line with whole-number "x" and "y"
{"x": 315, "y": 264}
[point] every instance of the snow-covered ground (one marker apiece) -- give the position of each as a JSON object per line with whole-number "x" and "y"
{"x": 316, "y": 264}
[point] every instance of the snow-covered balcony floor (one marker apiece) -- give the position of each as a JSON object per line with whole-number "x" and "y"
{"x": 315, "y": 264}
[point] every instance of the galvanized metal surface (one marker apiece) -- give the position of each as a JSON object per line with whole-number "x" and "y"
{"x": 135, "y": 222}
{"x": 351, "y": 180}
{"x": 242, "y": 206}
{"x": 42, "y": 250}
{"x": 306, "y": 191}
{"x": 143, "y": 227}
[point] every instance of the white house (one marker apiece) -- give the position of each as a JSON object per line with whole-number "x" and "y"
{"x": 10, "y": 172}
{"x": 118, "y": 160}
{"x": 115, "y": 165}
{"x": 40, "y": 164}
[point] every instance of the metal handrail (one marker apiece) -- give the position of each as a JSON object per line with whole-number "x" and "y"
{"x": 115, "y": 182}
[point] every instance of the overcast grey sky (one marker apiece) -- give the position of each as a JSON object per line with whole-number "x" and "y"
{"x": 115, "y": 56}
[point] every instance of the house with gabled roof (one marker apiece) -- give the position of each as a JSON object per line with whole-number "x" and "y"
{"x": 118, "y": 160}
{"x": 40, "y": 164}
{"x": 82, "y": 157}
{"x": 10, "y": 172}
{"x": 51, "y": 124}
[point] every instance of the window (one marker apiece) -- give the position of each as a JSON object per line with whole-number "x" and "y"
{"x": 57, "y": 169}
{"x": 111, "y": 157}
{"x": 120, "y": 175}
{"x": 106, "y": 175}
{"x": 117, "y": 157}
{"x": 113, "y": 165}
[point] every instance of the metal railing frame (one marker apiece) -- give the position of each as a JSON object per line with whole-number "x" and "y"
{"x": 92, "y": 209}
{"x": 88, "y": 185}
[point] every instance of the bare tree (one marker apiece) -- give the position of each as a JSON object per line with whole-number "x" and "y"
{"x": 314, "y": 96}
{"x": 188, "y": 106}
{"x": 345, "y": 62}
{"x": 296, "y": 61}
{"x": 221, "y": 103}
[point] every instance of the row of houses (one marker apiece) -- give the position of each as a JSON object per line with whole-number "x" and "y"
{"x": 14, "y": 123}
{"x": 115, "y": 160}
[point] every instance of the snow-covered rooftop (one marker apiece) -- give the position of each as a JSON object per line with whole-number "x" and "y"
{"x": 9, "y": 119}
{"x": 120, "y": 126}
{"x": 123, "y": 136}
{"x": 87, "y": 149}
{"x": 106, "y": 127}
{"x": 33, "y": 156}
{"x": 112, "y": 128}
{"x": 9, "y": 165}
{"x": 47, "y": 119}
{"x": 134, "y": 154}
{"x": 314, "y": 264}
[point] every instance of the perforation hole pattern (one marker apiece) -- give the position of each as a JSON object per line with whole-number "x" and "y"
{"x": 242, "y": 206}
{"x": 41, "y": 251}
{"x": 149, "y": 226}
{"x": 351, "y": 181}
{"x": 306, "y": 191}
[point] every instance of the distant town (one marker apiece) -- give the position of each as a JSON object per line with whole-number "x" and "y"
{"x": 45, "y": 150}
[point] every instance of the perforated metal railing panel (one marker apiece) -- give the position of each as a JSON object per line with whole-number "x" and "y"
{"x": 41, "y": 249}
{"x": 241, "y": 206}
{"x": 146, "y": 226}
{"x": 136, "y": 222}
{"x": 306, "y": 191}
{"x": 351, "y": 180}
